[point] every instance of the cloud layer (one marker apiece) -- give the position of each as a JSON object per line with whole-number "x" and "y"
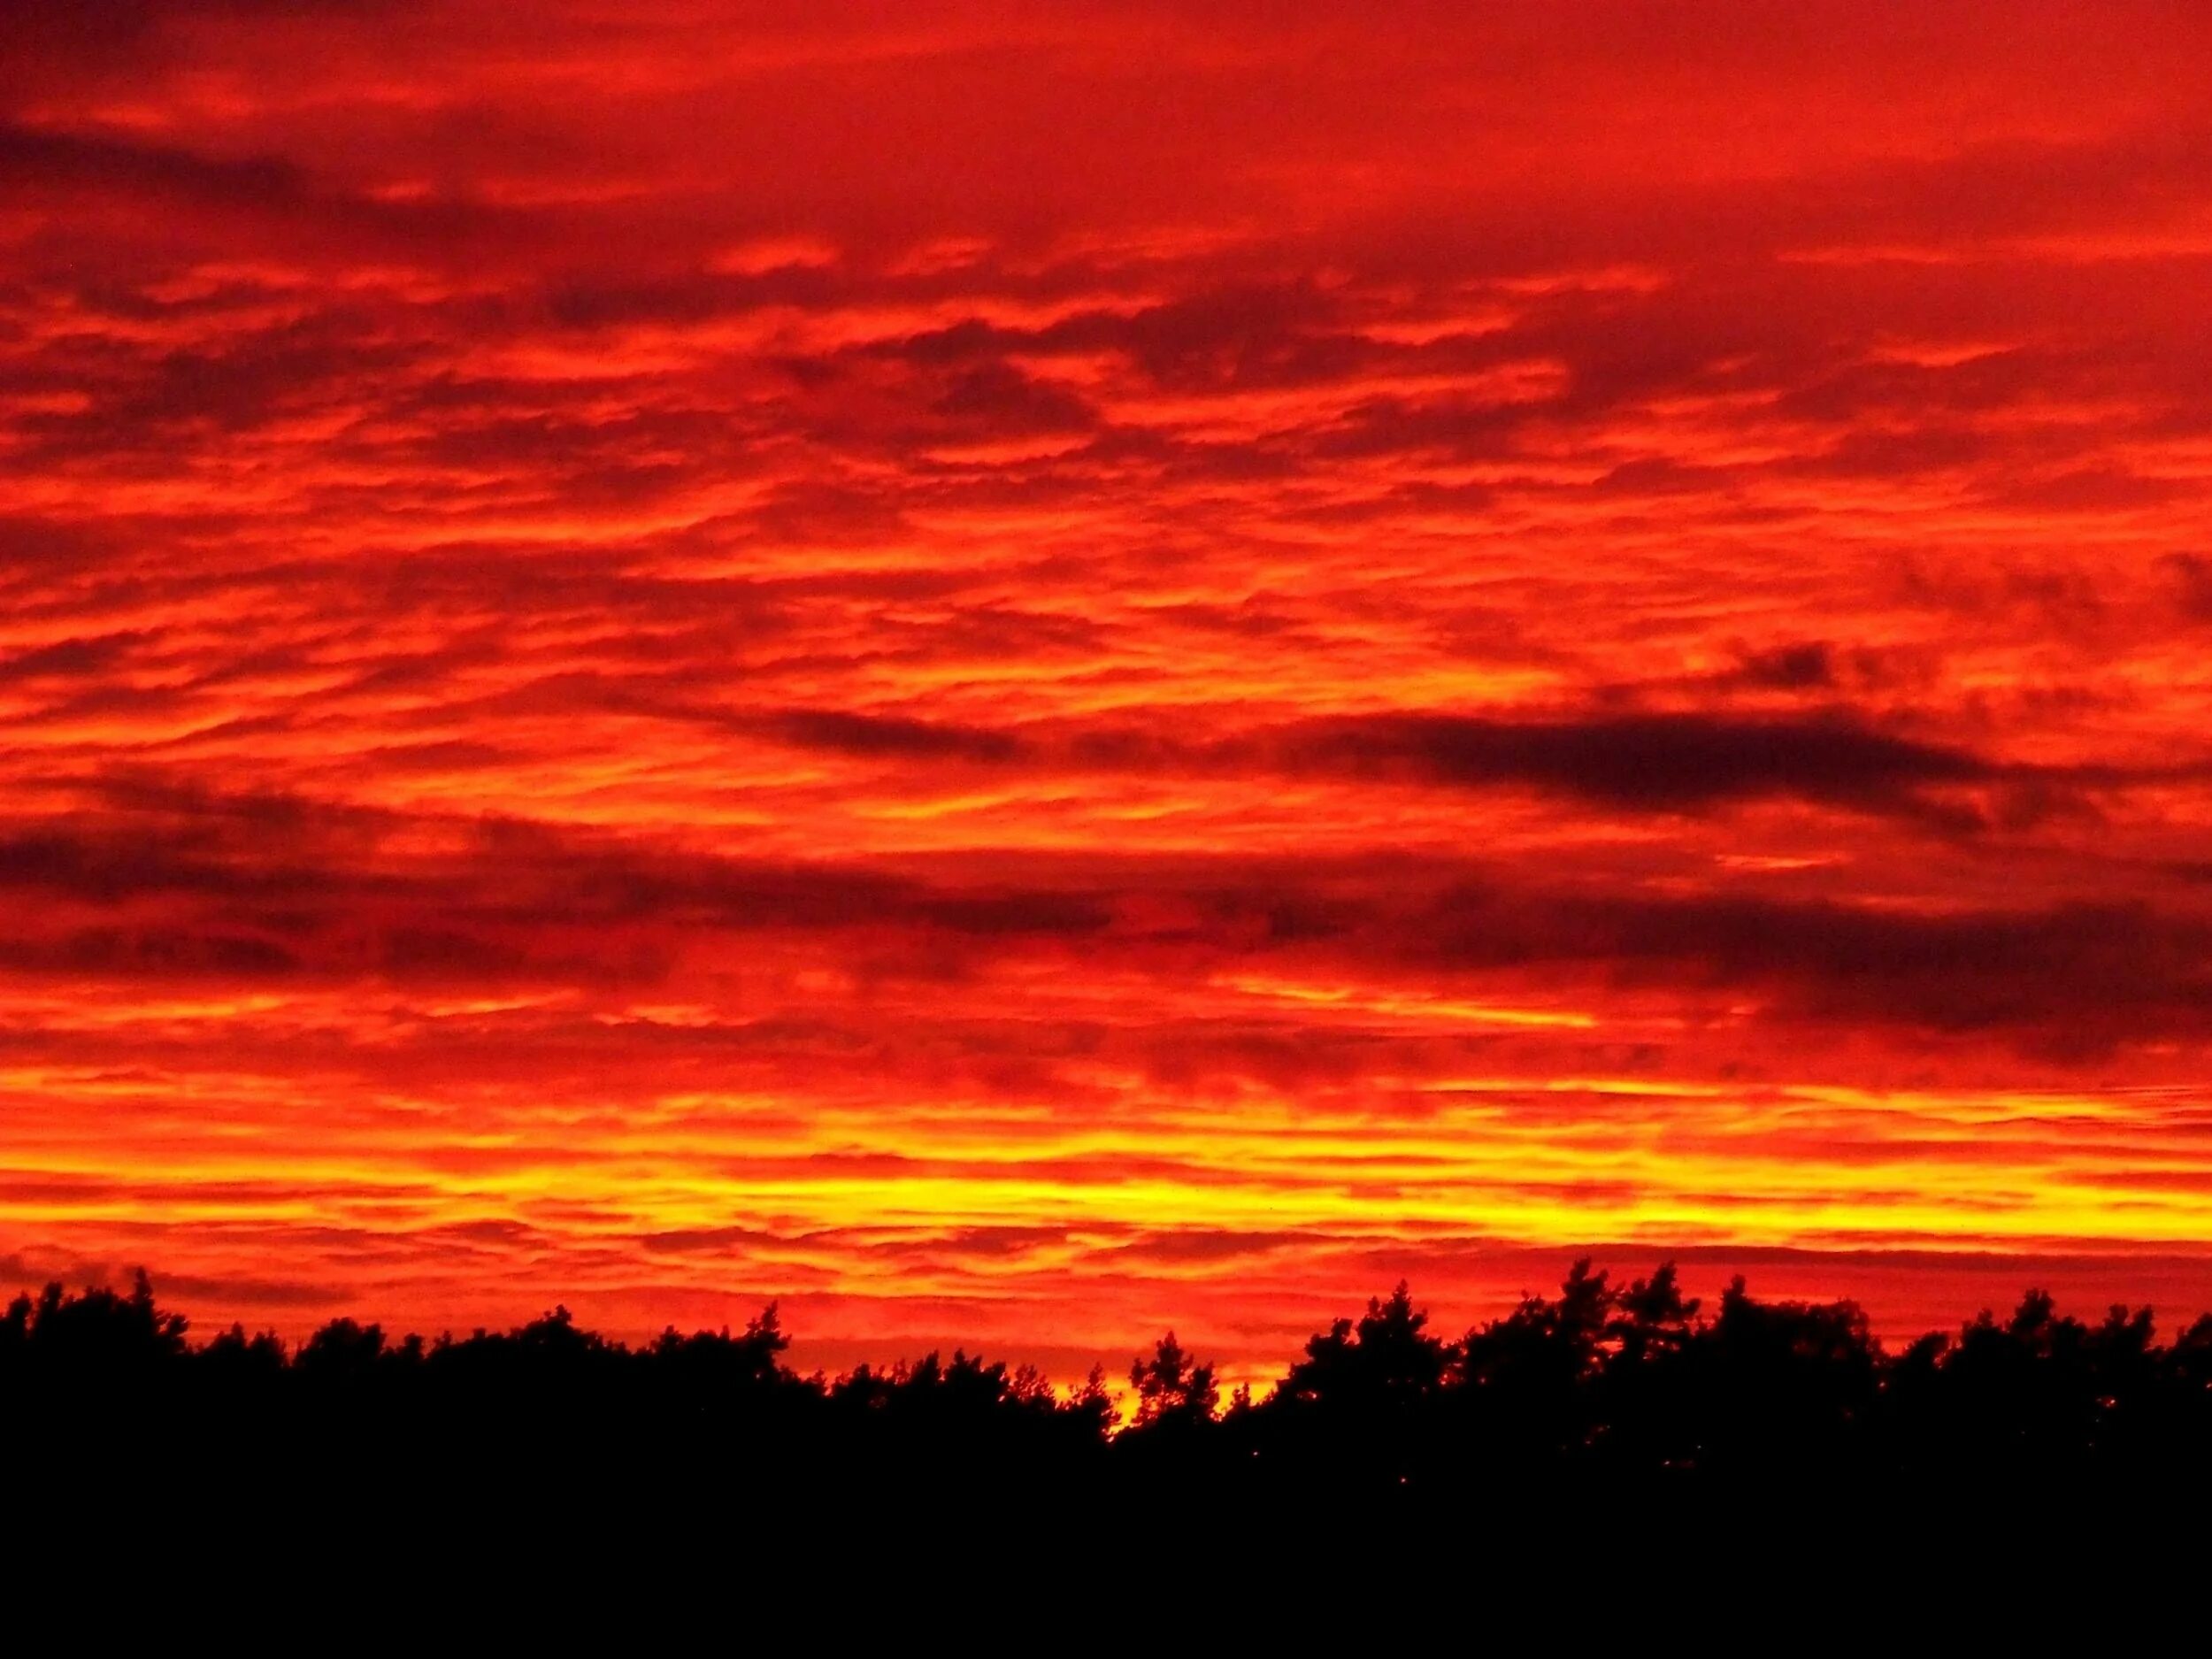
{"x": 1033, "y": 672}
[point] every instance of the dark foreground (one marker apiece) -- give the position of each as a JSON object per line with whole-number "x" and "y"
{"x": 1615, "y": 1388}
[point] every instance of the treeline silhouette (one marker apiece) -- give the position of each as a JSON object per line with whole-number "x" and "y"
{"x": 1606, "y": 1383}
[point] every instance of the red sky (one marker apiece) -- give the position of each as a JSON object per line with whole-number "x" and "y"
{"x": 1023, "y": 672}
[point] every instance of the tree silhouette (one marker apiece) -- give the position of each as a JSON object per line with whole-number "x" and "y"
{"x": 1599, "y": 1385}
{"x": 1173, "y": 1391}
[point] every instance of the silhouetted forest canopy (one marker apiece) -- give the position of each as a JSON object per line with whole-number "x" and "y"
{"x": 1603, "y": 1381}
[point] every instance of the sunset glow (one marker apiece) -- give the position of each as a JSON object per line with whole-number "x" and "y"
{"x": 1019, "y": 674}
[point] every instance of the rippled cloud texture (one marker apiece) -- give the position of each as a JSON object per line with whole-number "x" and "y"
{"x": 1019, "y": 671}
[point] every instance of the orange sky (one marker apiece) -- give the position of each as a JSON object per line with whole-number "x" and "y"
{"x": 1019, "y": 673}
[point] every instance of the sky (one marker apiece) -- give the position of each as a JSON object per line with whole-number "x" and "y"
{"x": 1021, "y": 673}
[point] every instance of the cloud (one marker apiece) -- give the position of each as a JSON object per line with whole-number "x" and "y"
{"x": 1793, "y": 668}
{"x": 889, "y": 737}
{"x": 1645, "y": 762}
{"x": 2071, "y": 977}
{"x": 30, "y": 155}
{"x": 1640, "y": 763}
{"x": 74, "y": 658}
{"x": 874, "y": 659}
{"x": 512, "y": 903}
